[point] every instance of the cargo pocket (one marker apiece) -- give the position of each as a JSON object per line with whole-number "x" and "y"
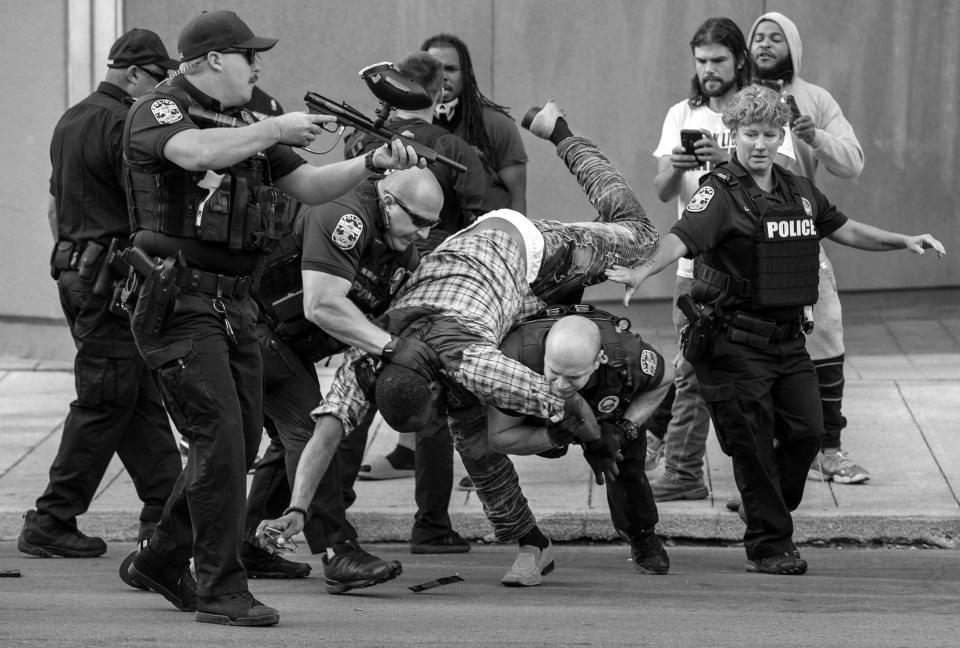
{"x": 96, "y": 380}
{"x": 173, "y": 365}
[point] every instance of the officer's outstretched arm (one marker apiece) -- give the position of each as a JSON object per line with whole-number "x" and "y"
{"x": 671, "y": 248}
{"x": 867, "y": 237}
{"x": 314, "y": 462}
{"x": 325, "y": 303}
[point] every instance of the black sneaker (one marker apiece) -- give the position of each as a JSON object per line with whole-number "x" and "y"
{"x": 46, "y": 536}
{"x": 173, "y": 582}
{"x": 352, "y": 568}
{"x": 649, "y": 556}
{"x": 449, "y": 543}
{"x": 788, "y": 564}
{"x": 239, "y": 609}
{"x": 260, "y": 563}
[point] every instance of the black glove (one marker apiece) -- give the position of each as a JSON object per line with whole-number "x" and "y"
{"x": 603, "y": 454}
{"x": 414, "y": 354}
{"x": 564, "y": 432}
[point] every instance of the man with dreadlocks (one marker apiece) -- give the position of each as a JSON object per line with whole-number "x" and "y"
{"x": 493, "y": 134}
{"x": 485, "y": 125}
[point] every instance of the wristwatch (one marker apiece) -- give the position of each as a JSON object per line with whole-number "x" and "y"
{"x": 631, "y": 430}
{"x": 371, "y": 167}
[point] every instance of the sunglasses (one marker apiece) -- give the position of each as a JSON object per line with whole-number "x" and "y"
{"x": 249, "y": 54}
{"x": 156, "y": 76}
{"x": 418, "y": 221}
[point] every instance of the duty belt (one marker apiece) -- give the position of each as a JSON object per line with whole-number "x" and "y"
{"x": 212, "y": 283}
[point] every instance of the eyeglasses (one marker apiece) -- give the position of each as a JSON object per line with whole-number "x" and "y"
{"x": 418, "y": 221}
{"x": 249, "y": 54}
{"x": 156, "y": 76}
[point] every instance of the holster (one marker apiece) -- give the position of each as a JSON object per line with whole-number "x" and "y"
{"x": 696, "y": 338}
{"x": 158, "y": 290}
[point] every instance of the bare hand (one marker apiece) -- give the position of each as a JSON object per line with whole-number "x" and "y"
{"x": 631, "y": 278}
{"x": 917, "y": 245}
{"x": 397, "y": 156}
{"x": 299, "y": 128}
{"x": 804, "y": 129}
{"x": 290, "y": 525}
{"x": 683, "y": 162}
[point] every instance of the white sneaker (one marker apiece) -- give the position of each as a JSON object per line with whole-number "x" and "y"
{"x": 529, "y": 567}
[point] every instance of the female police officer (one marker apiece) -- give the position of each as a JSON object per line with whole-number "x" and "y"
{"x": 753, "y": 229}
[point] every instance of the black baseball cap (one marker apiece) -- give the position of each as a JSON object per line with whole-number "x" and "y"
{"x": 215, "y": 31}
{"x": 139, "y": 47}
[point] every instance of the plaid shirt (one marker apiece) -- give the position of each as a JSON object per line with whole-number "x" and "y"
{"x": 478, "y": 282}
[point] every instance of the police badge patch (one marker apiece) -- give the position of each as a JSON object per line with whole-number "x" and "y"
{"x": 700, "y": 200}
{"x": 166, "y": 111}
{"x": 607, "y": 404}
{"x": 648, "y": 362}
{"x": 807, "y": 209}
{"x": 347, "y": 232}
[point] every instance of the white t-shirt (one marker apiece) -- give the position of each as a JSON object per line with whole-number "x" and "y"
{"x": 682, "y": 116}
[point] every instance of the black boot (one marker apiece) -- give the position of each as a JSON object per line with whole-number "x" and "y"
{"x": 649, "y": 556}
{"x": 45, "y": 536}
{"x": 260, "y": 563}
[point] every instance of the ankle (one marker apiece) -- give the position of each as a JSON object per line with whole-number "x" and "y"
{"x": 561, "y": 131}
{"x": 534, "y": 537}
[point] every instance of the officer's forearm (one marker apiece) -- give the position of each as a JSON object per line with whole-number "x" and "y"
{"x": 315, "y": 460}
{"x": 217, "y": 148}
{"x": 52, "y": 217}
{"x": 645, "y": 403}
{"x": 315, "y": 185}
{"x": 341, "y": 318}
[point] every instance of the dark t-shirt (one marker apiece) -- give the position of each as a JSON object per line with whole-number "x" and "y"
{"x": 715, "y": 226}
{"x": 87, "y": 157}
{"x": 505, "y": 142}
{"x": 153, "y": 120}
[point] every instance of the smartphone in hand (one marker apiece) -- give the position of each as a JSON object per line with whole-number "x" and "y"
{"x": 794, "y": 108}
{"x": 688, "y": 139}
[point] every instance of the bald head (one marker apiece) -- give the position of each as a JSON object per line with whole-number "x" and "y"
{"x": 572, "y": 348}
{"x": 417, "y": 188}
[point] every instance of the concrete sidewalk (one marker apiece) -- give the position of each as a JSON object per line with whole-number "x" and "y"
{"x": 902, "y": 402}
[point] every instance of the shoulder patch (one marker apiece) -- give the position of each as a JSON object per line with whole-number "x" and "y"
{"x": 807, "y": 209}
{"x": 347, "y": 232}
{"x": 701, "y": 199}
{"x": 648, "y": 362}
{"x": 166, "y": 111}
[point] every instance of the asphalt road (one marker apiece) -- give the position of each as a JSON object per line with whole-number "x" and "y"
{"x": 850, "y": 597}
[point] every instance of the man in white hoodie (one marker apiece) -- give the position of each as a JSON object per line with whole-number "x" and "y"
{"x": 822, "y": 135}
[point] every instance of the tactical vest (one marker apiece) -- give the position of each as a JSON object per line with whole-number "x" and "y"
{"x": 786, "y": 266}
{"x": 280, "y": 291}
{"x": 611, "y": 389}
{"x": 240, "y": 210}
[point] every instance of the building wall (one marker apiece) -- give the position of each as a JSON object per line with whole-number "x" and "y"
{"x": 615, "y": 65}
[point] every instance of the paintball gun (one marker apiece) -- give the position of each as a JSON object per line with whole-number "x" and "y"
{"x": 394, "y": 91}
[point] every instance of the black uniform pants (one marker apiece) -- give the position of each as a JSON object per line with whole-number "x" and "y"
{"x": 632, "y": 507}
{"x": 117, "y": 410}
{"x": 756, "y": 397}
{"x": 291, "y": 390}
{"x": 212, "y": 385}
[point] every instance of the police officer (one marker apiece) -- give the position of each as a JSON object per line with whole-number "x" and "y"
{"x": 118, "y": 407}
{"x": 623, "y": 379}
{"x": 204, "y": 202}
{"x": 754, "y": 230}
{"x": 355, "y": 253}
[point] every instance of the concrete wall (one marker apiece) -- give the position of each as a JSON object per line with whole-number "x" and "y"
{"x": 616, "y": 65}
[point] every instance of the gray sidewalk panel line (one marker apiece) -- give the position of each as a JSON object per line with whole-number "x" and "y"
{"x": 31, "y": 450}
{"x": 926, "y": 442}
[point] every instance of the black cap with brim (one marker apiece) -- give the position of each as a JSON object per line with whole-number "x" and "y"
{"x": 215, "y": 31}
{"x": 140, "y": 47}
